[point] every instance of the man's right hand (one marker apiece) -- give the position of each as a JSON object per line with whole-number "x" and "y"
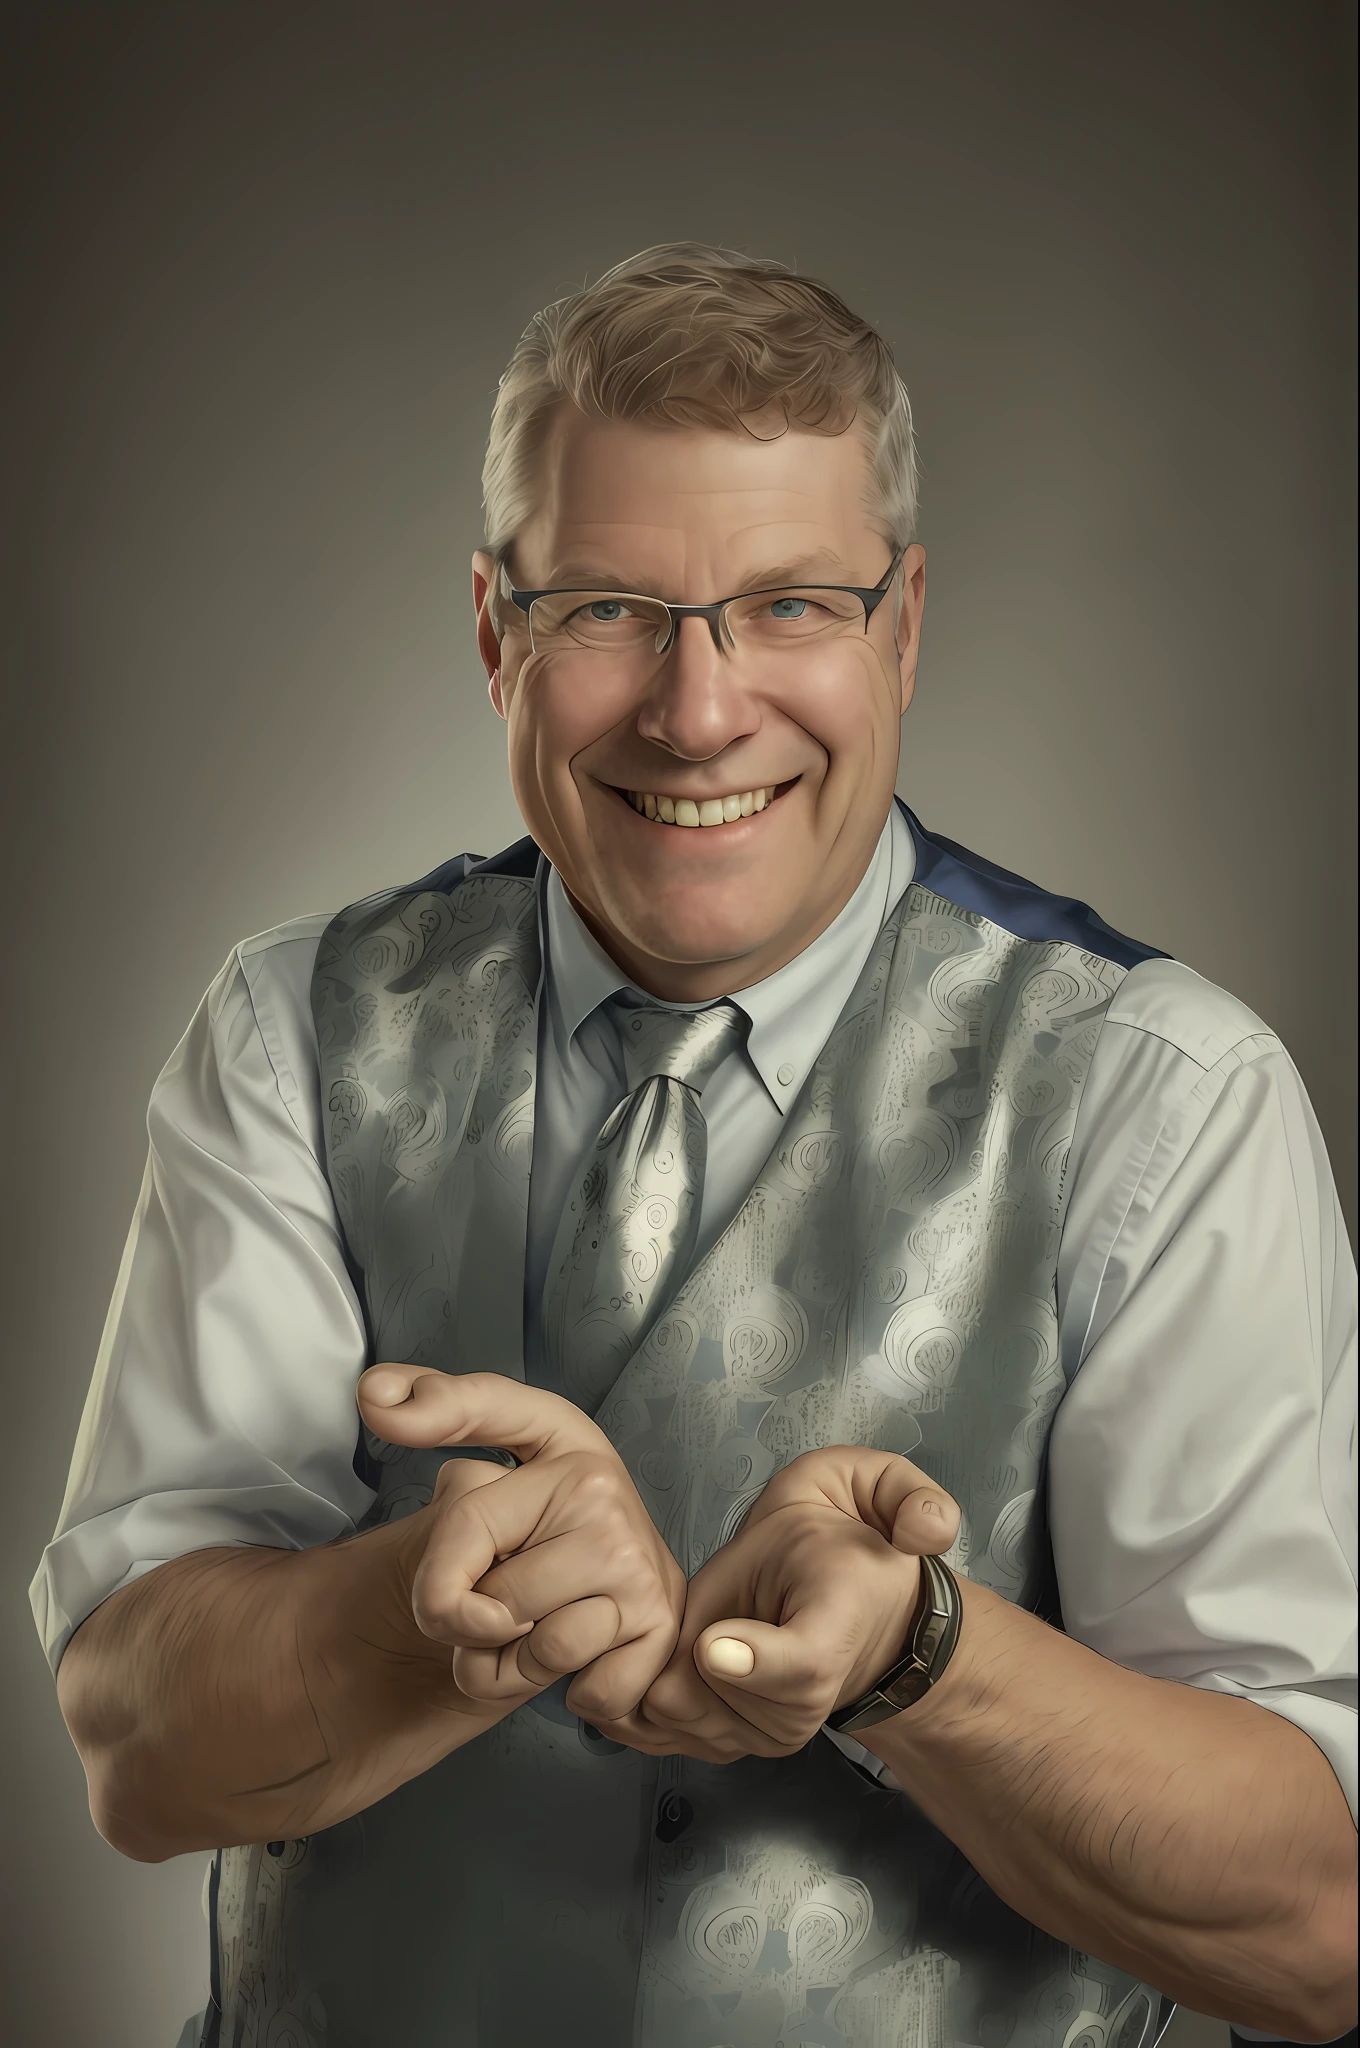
{"x": 569, "y": 1571}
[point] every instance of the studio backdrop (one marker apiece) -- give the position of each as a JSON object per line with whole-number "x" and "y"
{"x": 265, "y": 266}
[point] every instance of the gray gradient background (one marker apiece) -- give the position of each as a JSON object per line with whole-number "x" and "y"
{"x": 267, "y": 268}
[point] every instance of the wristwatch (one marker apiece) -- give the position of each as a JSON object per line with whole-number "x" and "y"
{"x": 935, "y": 1631}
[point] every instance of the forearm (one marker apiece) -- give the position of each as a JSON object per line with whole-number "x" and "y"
{"x": 242, "y": 1695}
{"x": 1186, "y": 1836}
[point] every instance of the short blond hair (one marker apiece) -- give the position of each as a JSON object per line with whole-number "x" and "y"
{"x": 685, "y": 334}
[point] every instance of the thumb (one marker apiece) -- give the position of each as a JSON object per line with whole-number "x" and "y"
{"x": 427, "y": 1409}
{"x": 751, "y": 1655}
{"x": 916, "y": 1515}
{"x": 886, "y": 1492}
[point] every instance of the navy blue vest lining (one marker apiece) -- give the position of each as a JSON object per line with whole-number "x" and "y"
{"x": 1013, "y": 903}
{"x": 944, "y": 867}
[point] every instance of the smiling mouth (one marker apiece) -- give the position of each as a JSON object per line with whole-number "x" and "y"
{"x": 696, "y": 813}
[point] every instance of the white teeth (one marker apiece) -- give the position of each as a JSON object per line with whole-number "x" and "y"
{"x": 697, "y": 811}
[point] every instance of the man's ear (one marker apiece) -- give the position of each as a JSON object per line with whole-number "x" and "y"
{"x": 485, "y": 576}
{"x": 910, "y": 606}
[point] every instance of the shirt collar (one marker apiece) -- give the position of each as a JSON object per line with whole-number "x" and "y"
{"x": 792, "y": 1012}
{"x": 581, "y": 974}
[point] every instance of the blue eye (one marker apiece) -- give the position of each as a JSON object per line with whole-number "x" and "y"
{"x": 788, "y": 607}
{"x": 607, "y": 610}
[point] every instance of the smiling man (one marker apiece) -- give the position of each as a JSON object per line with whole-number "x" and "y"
{"x": 847, "y": 1532}
{"x": 765, "y": 728}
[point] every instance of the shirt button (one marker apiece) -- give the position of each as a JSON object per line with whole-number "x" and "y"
{"x": 673, "y": 1816}
{"x": 786, "y": 1074}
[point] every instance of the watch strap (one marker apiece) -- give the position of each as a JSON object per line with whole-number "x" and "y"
{"x": 934, "y": 1635}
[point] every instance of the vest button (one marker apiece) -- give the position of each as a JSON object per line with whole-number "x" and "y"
{"x": 673, "y": 1816}
{"x": 276, "y": 1848}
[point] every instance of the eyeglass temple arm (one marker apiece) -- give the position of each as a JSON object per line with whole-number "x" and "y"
{"x": 874, "y": 598}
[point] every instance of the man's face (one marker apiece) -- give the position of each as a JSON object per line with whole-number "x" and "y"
{"x": 693, "y": 515}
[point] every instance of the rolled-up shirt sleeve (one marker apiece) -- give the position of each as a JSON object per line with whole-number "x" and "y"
{"x": 1202, "y": 1474}
{"x": 222, "y": 1408}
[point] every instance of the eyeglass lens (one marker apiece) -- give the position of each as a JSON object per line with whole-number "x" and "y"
{"x": 608, "y": 622}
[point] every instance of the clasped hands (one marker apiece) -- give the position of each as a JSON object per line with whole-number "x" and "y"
{"x": 555, "y": 1567}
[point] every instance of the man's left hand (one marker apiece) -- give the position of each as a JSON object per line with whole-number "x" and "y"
{"x": 802, "y": 1612}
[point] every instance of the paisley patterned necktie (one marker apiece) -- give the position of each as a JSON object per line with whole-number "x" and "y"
{"x": 627, "y": 1236}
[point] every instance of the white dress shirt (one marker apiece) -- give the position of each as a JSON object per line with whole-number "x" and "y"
{"x": 1202, "y": 1474}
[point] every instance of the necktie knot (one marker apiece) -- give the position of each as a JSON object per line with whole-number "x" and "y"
{"x": 683, "y": 1045}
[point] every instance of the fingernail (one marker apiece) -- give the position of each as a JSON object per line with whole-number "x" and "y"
{"x": 732, "y": 1658}
{"x": 930, "y": 1507}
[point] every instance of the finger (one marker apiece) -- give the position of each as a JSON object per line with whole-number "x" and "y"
{"x": 459, "y": 1476}
{"x": 778, "y": 1664}
{"x": 475, "y": 1523}
{"x": 454, "y": 1481}
{"x": 570, "y": 1638}
{"x": 613, "y": 1685}
{"x": 720, "y": 1737}
{"x": 551, "y": 1574}
{"x": 727, "y": 1746}
{"x": 726, "y": 1657}
{"x": 681, "y": 1702}
{"x": 916, "y": 1515}
{"x": 679, "y": 1696}
{"x": 562, "y": 1643}
{"x": 769, "y": 1680}
{"x": 438, "y": 1600}
{"x": 554, "y": 1570}
{"x": 491, "y": 1676}
{"x": 886, "y": 1492}
{"x": 690, "y": 1713}
{"x": 691, "y": 1717}
{"x": 415, "y": 1404}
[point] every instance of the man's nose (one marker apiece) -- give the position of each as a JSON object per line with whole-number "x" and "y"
{"x": 697, "y": 705}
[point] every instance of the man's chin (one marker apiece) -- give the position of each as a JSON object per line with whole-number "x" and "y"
{"x": 694, "y": 936}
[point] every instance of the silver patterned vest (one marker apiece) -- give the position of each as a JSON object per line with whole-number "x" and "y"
{"x": 889, "y": 1281}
